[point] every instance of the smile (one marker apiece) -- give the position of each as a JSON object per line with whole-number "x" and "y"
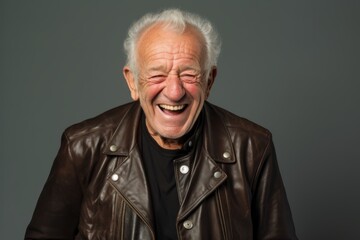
{"x": 172, "y": 107}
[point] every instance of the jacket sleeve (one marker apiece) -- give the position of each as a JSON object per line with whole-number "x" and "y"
{"x": 56, "y": 215}
{"x": 270, "y": 208}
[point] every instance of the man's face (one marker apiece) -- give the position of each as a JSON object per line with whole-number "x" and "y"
{"x": 172, "y": 85}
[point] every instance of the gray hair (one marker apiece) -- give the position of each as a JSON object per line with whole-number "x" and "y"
{"x": 177, "y": 20}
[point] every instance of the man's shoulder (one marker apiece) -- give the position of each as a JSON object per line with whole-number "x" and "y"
{"x": 103, "y": 123}
{"x": 235, "y": 123}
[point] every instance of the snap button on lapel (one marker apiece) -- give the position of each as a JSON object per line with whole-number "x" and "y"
{"x": 217, "y": 174}
{"x": 226, "y": 155}
{"x": 115, "y": 177}
{"x": 188, "y": 224}
{"x": 113, "y": 148}
{"x": 184, "y": 169}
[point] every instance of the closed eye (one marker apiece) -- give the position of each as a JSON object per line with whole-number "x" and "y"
{"x": 157, "y": 78}
{"x": 189, "y": 78}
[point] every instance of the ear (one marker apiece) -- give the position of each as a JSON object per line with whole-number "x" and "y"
{"x": 210, "y": 80}
{"x": 130, "y": 80}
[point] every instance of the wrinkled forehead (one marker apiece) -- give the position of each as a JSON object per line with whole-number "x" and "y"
{"x": 163, "y": 37}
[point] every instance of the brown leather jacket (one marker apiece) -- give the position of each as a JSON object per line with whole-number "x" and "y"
{"x": 97, "y": 188}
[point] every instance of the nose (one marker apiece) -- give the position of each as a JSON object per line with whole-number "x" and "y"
{"x": 174, "y": 89}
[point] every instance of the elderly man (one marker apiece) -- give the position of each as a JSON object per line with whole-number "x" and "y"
{"x": 169, "y": 165}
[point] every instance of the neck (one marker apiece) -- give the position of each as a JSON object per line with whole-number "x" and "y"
{"x": 168, "y": 143}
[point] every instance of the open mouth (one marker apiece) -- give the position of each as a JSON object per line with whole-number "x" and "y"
{"x": 172, "y": 108}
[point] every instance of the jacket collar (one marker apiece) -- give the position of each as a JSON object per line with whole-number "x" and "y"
{"x": 124, "y": 138}
{"x": 216, "y": 138}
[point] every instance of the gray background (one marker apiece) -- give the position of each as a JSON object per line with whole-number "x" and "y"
{"x": 291, "y": 66}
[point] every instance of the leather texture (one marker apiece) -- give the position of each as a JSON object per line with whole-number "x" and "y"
{"x": 97, "y": 188}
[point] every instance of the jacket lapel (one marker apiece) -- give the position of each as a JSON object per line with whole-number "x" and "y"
{"x": 206, "y": 175}
{"x": 130, "y": 180}
{"x": 132, "y": 185}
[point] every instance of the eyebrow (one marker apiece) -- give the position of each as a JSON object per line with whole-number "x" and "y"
{"x": 194, "y": 68}
{"x": 162, "y": 68}
{"x": 157, "y": 68}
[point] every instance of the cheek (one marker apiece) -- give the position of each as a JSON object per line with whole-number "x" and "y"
{"x": 197, "y": 92}
{"x": 148, "y": 94}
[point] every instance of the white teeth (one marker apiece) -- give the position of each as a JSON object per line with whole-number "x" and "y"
{"x": 172, "y": 108}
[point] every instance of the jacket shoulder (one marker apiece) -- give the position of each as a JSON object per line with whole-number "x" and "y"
{"x": 102, "y": 123}
{"x": 235, "y": 123}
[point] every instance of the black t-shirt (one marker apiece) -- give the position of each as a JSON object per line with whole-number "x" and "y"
{"x": 159, "y": 169}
